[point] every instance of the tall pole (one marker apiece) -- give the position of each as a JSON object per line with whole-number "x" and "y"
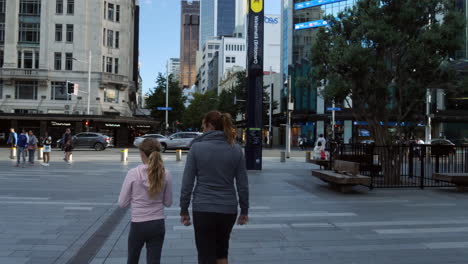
{"x": 333, "y": 121}
{"x": 428, "y": 114}
{"x": 270, "y": 130}
{"x": 167, "y": 95}
{"x": 89, "y": 81}
{"x": 288, "y": 123}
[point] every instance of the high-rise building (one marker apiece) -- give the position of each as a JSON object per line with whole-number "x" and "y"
{"x": 217, "y": 18}
{"x": 189, "y": 36}
{"x": 45, "y": 44}
{"x": 174, "y": 67}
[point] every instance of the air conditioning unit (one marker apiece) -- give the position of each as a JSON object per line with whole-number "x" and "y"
{"x": 67, "y": 107}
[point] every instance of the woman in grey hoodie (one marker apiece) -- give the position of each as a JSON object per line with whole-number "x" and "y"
{"x": 217, "y": 165}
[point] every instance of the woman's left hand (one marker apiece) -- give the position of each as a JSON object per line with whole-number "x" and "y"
{"x": 243, "y": 219}
{"x": 185, "y": 220}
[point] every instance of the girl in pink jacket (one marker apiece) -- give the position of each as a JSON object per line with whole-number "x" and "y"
{"x": 148, "y": 189}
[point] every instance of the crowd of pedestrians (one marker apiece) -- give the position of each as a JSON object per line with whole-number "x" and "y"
{"x": 26, "y": 145}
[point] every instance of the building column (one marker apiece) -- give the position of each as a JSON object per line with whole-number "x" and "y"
{"x": 11, "y": 34}
{"x": 43, "y": 129}
{"x": 348, "y": 131}
{"x": 320, "y": 127}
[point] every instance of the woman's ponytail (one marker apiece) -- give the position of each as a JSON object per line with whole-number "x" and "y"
{"x": 228, "y": 128}
{"x": 156, "y": 170}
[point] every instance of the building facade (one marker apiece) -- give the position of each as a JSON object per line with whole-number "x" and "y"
{"x": 189, "y": 35}
{"x": 217, "y": 18}
{"x": 45, "y": 44}
{"x": 174, "y": 67}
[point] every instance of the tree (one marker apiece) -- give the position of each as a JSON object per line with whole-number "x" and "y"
{"x": 199, "y": 106}
{"x": 384, "y": 55}
{"x": 157, "y": 98}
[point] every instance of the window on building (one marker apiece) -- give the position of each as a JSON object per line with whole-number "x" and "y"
{"x": 103, "y": 63}
{"x": 104, "y": 37}
{"x": 70, "y": 7}
{"x": 58, "y": 32}
{"x": 109, "y": 65}
{"x": 105, "y": 9}
{"x": 69, "y": 61}
{"x": 110, "y": 38}
{"x": 117, "y": 36}
{"x": 110, "y": 12}
{"x": 117, "y": 13}
{"x": 20, "y": 59}
{"x": 111, "y": 95}
{"x": 1, "y": 58}
{"x": 29, "y": 33}
{"x": 2, "y": 6}
{"x": 59, "y": 6}
{"x": 59, "y": 91}
{"x": 28, "y": 59}
{"x": 210, "y": 46}
{"x": 58, "y": 61}
{"x": 30, "y": 7}
{"x": 228, "y": 59}
{"x": 36, "y": 62}
{"x": 26, "y": 90}
{"x": 69, "y": 33}
{"x": 116, "y": 66}
{"x": 210, "y": 55}
{"x": 233, "y": 59}
{"x": 2, "y": 32}
{"x": 1, "y": 89}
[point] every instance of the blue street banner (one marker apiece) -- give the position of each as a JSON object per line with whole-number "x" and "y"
{"x": 333, "y": 109}
{"x": 164, "y": 108}
{"x": 313, "y": 3}
{"x": 311, "y": 24}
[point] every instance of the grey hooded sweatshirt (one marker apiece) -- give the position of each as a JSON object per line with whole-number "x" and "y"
{"x": 215, "y": 165}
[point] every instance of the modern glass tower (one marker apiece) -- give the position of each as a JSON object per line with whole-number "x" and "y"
{"x": 217, "y": 18}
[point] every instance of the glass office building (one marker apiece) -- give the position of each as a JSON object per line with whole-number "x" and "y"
{"x": 217, "y": 18}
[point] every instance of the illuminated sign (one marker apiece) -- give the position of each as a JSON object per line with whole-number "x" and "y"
{"x": 314, "y": 3}
{"x": 256, "y": 5}
{"x": 62, "y": 124}
{"x": 112, "y": 125}
{"x": 311, "y": 24}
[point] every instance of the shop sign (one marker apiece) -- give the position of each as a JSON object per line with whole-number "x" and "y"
{"x": 60, "y": 124}
{"x": 143, "y": 126}
{"x": 112, "y": 125}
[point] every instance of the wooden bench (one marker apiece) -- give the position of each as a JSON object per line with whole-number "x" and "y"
{"x": 366, "y": 163}
{"x": 459, "y": 179}
{"x": 344, "y": 176}
{"x": 326, "y": 164}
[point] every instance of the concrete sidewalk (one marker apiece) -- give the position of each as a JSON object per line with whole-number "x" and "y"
{"x": 67, "y": 213}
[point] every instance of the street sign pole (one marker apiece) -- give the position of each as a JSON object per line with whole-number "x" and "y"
{"x": 167, "y": 96}
{"x": 253, "y": 149}
{"x": 333, "y": 121}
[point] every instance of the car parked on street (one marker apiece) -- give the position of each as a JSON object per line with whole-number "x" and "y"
{"x": 181, "y": 140}
{"x": 92, "y": 140}
{"x": 138, "y": 140}
{"x": 442, "y": 147}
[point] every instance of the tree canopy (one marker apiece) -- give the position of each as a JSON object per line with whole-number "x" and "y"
{"x": 383, "y": 55}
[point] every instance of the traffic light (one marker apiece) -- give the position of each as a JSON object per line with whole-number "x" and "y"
{"x": 87, "y": 123}
{"x": 70, "y": 87}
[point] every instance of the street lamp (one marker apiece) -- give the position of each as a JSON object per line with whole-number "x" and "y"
{"x": 89, "y": 78}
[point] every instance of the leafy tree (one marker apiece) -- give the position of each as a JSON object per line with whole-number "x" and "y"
{"x": 199, "y": 106}
{"x": 157, "y": 98}
{"x": 384, "y": 55}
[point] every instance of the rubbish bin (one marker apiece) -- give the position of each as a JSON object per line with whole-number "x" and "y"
{"x": 124, "y": 155}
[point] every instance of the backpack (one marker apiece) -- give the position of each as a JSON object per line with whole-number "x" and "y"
{"x": 22, "y": 141}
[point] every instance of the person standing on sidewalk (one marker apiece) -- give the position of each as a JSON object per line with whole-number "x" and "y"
{"x": 217, "y": 164}
{"x": 148, "y": 189}
{"x": 322, "y": 140}
{"x": 22, "y": 146}
{"x": 47, "y": 144}
{"x": 32, "y": 146}
{"x": 67, "y": 142}
{"x": 12, "y": 138}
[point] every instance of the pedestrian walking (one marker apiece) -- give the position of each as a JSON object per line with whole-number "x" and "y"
{"x": 217, "y": 165}
{"x": 22, "y": 147}
{"x": 32, "y": 146}
{"x": 301, "y": 142}
{"x": 47, "y": 145}
{"x": 67, "y": 143}
{"x": 12, "y": 138}
{"x": 148, "y": 189}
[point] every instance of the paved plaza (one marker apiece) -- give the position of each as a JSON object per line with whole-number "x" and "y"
{"x": 67, "y": 214}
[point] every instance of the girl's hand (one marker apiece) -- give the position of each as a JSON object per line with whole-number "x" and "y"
{"x": 243, "y": 219}
{"x": 185, "y": 220}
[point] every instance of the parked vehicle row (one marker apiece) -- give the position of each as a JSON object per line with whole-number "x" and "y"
{"x": 181, "y": 140}
{"x": 91, "y": 140}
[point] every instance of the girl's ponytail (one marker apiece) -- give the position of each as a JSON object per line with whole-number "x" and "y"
{"x": 156, "y": 170}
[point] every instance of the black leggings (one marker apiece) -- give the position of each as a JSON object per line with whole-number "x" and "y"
{"x": 150, "y": 233}
{"x": 212, "y": 234}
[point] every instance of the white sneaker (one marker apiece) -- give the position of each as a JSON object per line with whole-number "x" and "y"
{"x": 44, "y": 164}
{"x": 69, "y": 163}
{"x": 47, "y": 164}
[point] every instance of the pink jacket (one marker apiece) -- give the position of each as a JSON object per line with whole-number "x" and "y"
{"x": 135, "y": 193}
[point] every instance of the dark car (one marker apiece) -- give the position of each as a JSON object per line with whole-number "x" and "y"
{"x": 93, "y": 140}
{"x": 442, "y": 147}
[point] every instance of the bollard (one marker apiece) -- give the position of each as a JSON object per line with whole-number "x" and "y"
{"x": 283, "y": 156}
{"x": 308, "y": 155}
{"x": 40, "y": 153}
{"x": 179, "y": 155}
{"x": 124, "y": 155}
{"x": 13, "y": 153}
{"x": 71, "y": 158}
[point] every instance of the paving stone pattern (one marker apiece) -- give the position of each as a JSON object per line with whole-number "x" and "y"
{"x": 49, "y": 214}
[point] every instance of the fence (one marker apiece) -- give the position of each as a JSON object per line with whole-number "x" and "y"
{"x": 401, "y": 166}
